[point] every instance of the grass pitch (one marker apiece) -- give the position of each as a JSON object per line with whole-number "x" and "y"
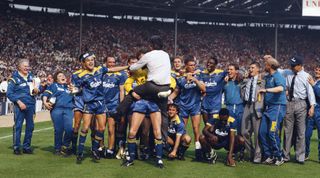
{"x": 44, "y": 164}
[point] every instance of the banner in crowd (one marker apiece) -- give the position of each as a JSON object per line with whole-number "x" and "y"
{"x": 311, "y": 8}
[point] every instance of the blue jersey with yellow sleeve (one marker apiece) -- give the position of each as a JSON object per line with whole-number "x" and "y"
{"x": 19, "y": 88}
{"x": 222, "y": 129}
{"x": 75, "y": 79}
{"x": 60, "y": 91}
{"x": 78, "y": 100}
{"x": 111, "y": 84}
{"x": 90, "y": 84}
{"x": 214, "y": 82}
{"x": 190, "y": 94}
{"x": 176, "y": 126}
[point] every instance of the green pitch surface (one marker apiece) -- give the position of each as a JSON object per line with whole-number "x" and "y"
{"x": 44, "y": 164}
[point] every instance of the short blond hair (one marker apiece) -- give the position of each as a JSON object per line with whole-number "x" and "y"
{"x": 271, "y": 61}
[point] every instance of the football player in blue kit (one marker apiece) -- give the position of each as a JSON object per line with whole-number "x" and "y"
{"x": 114, "y": 93}
{"x": 190, "y": 88}
{"x": 178, "y": 139}
{"x": 90, "y": 84}
{"x": 214, "y": 80}
{"x": 78, "y": 105}
{"x": 220, "y": 132}
{"x": 140, "y": 109}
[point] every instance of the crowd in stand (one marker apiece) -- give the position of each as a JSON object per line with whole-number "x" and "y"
{"x": 51, "y": 42}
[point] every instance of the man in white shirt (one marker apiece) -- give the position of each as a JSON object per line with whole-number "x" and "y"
{"x": 301, "y": 103}
{"x": 157, "y": 87}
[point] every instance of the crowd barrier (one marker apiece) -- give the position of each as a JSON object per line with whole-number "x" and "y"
{"x": 6, "y": 107}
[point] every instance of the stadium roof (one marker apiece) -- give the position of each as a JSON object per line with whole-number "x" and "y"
{"x": 238, "y": 11}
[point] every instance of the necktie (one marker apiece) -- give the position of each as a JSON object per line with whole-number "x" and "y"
{"x": 251, "y": 91}
{"x": 292, "y": 87}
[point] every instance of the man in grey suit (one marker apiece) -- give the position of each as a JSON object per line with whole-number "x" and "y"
{"x": 253, "y": 109}
{"x": 299, "y": 91}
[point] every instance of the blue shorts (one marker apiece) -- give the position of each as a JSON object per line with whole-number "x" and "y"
{"x": 78, "y": 104}
{"x": 95, "y": 107}
{"x": 210, "y": 111}
{"x": 111, "y": 112}
{"x": 222, "y": 143}
{"x": 186, "y": 112}
{"x": 225, "y": 143}
{"x": 145, "y": 107}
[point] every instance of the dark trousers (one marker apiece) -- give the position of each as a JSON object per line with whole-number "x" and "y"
{"x": 148, "y": 91}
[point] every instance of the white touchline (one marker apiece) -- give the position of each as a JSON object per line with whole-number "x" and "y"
{"x": 8, "y": 136}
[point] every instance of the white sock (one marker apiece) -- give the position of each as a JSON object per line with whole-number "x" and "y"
{"x": 198, "y": 145}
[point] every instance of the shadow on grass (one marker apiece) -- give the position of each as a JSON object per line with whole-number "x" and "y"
{"x": 32, "y": 147}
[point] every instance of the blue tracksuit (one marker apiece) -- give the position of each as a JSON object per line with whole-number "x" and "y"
{"x": 214, "y": 81}
{"x": 273, "y": 116}
{"x": 61, "y": 114}
{"x": 18, "y": 89}
{"x": 315, "y": 120}
{"x": 92, "y": 90}
{"x": 190, "y": 97}
{"x": 234, "y": 102}
{"x": 111, "y": 84}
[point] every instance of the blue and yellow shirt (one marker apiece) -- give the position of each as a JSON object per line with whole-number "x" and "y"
{"x": 19, "y": 88}
{"x": 190, "y": 94}
{"x": 63, "y": 97}
{"x": 214, "y": 82}
{"x": 90, "y": 84}
{"x": 111, "y": 84}
{"x": 222, "y": 129}
{"x": 176, "y": 126}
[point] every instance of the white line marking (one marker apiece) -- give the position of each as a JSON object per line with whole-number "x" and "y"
{"x": 8, "y": 136}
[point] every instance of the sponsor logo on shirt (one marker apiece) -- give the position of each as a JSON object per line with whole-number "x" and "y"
{"x": 210, "y": 84}
{"x": 108, "y": 85}
{"x": 190, "y": 85}
{"x": 95, "y": 84}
